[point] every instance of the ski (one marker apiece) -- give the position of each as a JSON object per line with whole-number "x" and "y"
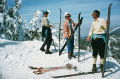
{"x": 107, "y": 38}
{"x": 60, "y": 28}
{"x": 79, "y": 24}
{"x": 77, "y": 74}
{"x": 34, "y": 68}
{"x": 78, "y": 42}
{"x": 41, "y": 70}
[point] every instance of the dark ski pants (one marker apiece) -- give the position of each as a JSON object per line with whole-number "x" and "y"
{"x": 47, "y": 43}
{"x": 48, "y": 39}
{"x": 70, "y": 45}
{"x": 98, "y": 46}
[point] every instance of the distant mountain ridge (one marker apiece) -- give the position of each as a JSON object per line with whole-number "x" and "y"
{"x": 115, "y": 31}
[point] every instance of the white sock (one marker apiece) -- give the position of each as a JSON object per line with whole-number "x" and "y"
{"x": 94, "y": 60}
{"x": 101, "y": 61}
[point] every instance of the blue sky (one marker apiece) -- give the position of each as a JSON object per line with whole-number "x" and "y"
{"x": 73, "y": 7}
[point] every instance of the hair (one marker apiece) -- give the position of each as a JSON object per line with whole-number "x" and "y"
{"x": 97, "y": 12}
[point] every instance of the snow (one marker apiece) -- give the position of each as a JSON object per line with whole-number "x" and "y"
{"x": 1, "y": 19}
{"x": 16, "y": 56}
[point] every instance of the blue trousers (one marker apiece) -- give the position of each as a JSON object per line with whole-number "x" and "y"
{"x": 70, "y": 45}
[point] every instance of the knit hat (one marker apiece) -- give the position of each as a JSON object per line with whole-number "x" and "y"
{"x": 97, "y": 12}
{"x": 46, "y": 12}
{"x": 67, "y": 14}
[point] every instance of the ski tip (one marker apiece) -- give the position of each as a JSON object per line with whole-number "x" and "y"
{"x": 31, "y": 67}
{"x": 110, "y": 4}
{"x": 60, "y": 9}
{"x": 79, "y": 14}
{"x": 81, "y": 17}
{"x": 37, "y": 72}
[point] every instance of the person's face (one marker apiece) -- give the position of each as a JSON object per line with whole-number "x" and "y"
{"x": 68, "y": 18}
{"x": 94, "y": 15}
{"x": 46, "y": 15}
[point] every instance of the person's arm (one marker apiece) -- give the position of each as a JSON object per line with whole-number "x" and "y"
{"x": 90, "y": 33}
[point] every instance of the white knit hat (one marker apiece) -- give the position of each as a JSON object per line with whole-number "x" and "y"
{"x": 67, "y": 14}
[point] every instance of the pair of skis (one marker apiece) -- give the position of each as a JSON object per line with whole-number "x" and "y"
{"x": 41, "y": 70}
{"x": 107, "y": 39}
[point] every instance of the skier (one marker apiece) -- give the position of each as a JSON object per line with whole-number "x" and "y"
{"x": 46, "y": 33}
{"x": 97, "y": 35}
{"x": 68, "y": 28}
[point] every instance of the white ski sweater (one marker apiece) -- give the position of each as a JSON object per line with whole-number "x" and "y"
{"x": 99, "y": 26}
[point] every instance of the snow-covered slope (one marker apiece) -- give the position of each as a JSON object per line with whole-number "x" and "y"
{"x": 15, "y": 57}
{"x": 115, "y": 43}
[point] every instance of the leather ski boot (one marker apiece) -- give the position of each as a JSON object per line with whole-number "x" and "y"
{"x": 72, "y": 55}
{"x": 42, "y": 49}
{"x": 69, "y": 56}
{"x": 101, "y": 67}
{"x": 48, "y": 52}
{"x": 94, "y": 69}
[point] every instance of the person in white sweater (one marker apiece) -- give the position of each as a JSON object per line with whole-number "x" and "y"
{"x": 97, "y": 35}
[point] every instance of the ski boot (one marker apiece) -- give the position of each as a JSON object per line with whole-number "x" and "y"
{"x": 42, "y": 49}
{"x": 69, "y": 56}
{"x": 94, "y": 69}
{"x": 101, "y": 67}
{"x": 48, "y": 52}
{"x": 72, "y": 55}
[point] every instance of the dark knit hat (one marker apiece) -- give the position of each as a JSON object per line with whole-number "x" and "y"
{"x": 97, "y": 12}
{"x": 45, "y": 12}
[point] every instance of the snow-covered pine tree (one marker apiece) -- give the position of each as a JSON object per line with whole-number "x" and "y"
{"x": 11, "y": 23}
{"x": 3, "y": 8}
{"x": 34, "y": 31}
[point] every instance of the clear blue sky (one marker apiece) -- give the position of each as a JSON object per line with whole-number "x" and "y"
{"x": 73, "y": 7}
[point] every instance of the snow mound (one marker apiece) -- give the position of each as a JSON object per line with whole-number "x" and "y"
{"x": 15, "y": 57}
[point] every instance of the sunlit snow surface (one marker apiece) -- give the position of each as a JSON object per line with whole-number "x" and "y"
{"x": 15, "y": 57}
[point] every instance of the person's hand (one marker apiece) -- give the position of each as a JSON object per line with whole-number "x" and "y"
{"x": 108, "y": 22}
{"x": 68, "y": 37}
{"x": 88, "y": 38}
{"x": 51, "y": 26}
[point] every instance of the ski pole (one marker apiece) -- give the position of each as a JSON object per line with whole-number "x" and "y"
{"x": 60, "y": 28}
